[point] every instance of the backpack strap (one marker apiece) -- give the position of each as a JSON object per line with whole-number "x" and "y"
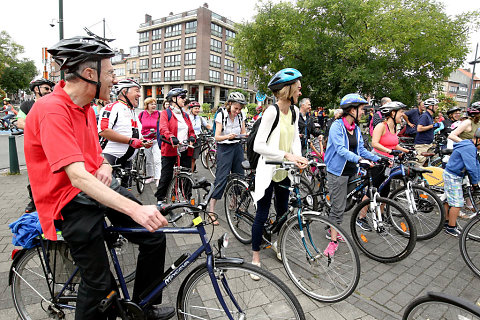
{"x": 294, "y": 114}
{"x": 169, "y": 114}
{"x": 275, "y": 122}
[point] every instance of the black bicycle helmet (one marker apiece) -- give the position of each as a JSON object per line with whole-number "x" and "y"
{"x": 175, "y": 93}
{"x": 453, "y": 110}
{"x": 284, "y": 78}
{"x": 70, "y": 53}
{"x": 237, "y": 97}
{"x": 391, "y": 106}
{"x": 38, "y": 81}
{"x": 474, "y": 109}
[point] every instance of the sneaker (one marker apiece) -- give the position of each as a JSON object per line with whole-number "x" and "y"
{"x": 254, "y": 276}
{"x": 453, "y": 231}
{"x": 363, "y": 224}
{"x": 339, "y": 236}
{"x": 275, "y": 248}
{"x": 330, "y": 250}
{"x": 445, "y": 226}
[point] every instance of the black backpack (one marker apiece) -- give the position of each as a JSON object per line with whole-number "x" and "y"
{"x": 253, "y": 156}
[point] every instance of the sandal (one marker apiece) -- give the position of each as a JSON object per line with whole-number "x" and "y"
{"x": 254, "y": 276}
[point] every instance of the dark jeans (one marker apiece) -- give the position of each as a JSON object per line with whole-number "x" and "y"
{"x": 229, "y": 159}
{"x": 167, "y": 172}
{"x": 263, "y": 207}
{"x": 125, "y": 164}
{"x": 82, "y": 228}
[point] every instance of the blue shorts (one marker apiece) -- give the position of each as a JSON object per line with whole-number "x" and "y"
{"x": 452, "y": 184}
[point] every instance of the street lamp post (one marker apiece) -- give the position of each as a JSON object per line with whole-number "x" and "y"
{"x": 60, "y": 27}
{"x": 474, "y": 62}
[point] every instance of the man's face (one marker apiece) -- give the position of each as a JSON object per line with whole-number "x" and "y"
{"x": 309, "y": 106}
{"x": 42, "y": 90}
{"x": 195, "y": 111}
{"x": 133, "y": 94}
{"x": 421, "y": 107}
{"x": 108, "y": 79}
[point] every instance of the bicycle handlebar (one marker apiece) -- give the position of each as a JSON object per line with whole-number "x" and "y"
{"x": 185, "y": 143}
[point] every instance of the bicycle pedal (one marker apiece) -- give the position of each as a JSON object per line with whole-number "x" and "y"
{"x": 107, "y": 302}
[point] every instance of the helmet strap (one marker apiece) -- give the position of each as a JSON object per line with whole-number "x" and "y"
{"x": 96, "y": 83}
{"x": 39, "y": 91}
{"x": 124, "y": 94}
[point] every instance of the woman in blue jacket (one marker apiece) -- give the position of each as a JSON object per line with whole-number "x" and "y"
{"x": 344, "y": 150}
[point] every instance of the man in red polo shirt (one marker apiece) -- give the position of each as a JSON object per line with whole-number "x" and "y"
{"x": 72, "y": 183}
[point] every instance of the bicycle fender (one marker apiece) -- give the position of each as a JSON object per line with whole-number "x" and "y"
{"x": 16, "y": 259}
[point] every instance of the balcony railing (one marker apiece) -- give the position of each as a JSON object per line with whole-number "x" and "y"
{"x": 143, "y": 39}
{"x": 143, "y": 67}
{"x": 170, "y": 49}
{"x": 228, "y": 68}
{"x": 216, "y": 49}
{"x": 173, "y": 33}
{"x": 190, "y": 62}
{"x": 172, "y": 64}
{"x": 192, "y": 77}
{"x": 191, "y": 30}
{"x": 143, "y": 53}
{"x": 156, "y": 66}
{"x": 215, "y": 64}
{"x": 216, "y": 80}
{"x": 133, "y": 71}
{"x": 190, "y": 46}
{"x": 156, "y": 79}
{"x": 175, "y": 78}
{"x": 216, "y": 33}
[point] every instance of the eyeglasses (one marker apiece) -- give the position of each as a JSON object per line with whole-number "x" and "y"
{"x": 183, "y": 96}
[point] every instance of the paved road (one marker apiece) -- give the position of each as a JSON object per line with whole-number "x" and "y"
{"x": 4, "y": 150}
{"x": 383, "y": 291}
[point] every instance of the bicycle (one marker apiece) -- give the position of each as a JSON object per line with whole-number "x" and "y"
{"x": 302, "y": 238}
{"x": 470, "y": 244}
{"x": 437, "y": 305}
{"x": 390, "y": 225}
{"x": 208, "y": 152}
{"x": 221, "y": 287}
{"x": 134, "y": 174}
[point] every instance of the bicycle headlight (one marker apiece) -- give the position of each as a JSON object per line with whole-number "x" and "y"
{"x": 223, "y": 241}
{"x": 309, "y": 200}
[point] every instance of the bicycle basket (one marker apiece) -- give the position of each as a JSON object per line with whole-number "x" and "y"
{"x": 61, "y": 262}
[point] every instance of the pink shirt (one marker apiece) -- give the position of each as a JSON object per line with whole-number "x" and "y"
{"x": 388, "y": 140}
{"x": 148, "y": 121}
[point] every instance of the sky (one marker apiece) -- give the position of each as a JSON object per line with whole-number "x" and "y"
{"x": 31, "y": 28}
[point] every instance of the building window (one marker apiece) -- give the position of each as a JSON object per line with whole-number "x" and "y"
{"x": 239, "y": 68}
{"x": 190, "y": 43}
{"x": 143, "y": 51}
{"x": 143, "y": 76}
{"x": 156, "y": 63}
{"x": 174, "y": 30}
{"x": 143, "y": 64}
{"x": 172, "y": 61}
{"x": 190, "y": 74}
{"x": 216, "y": 30}
{"x": 229, "y": 50}
{"x": 215, "y": 61}
{"x": 156, "y": 76}
{"x": 134, "y": 67}
{"x": 156, "y": 47}
{"x": 453, "y": 89}
{"x": 143, "y": 36}
{"x": 228, "y": 79}
{"x": 172, "y": 45}
{"x": 171, "y": 75}
{"x": 245, "y": 83}
{"x": 120, "y": 72}
{"x": 190, "y": 58}
{"x": 191, "y": 27}
{"x": 214, "y": 76}
{"x": 215, "y": 45}
{"x": 239, "y": 82}
{"x": 230, "y": 34}
{"x": 229, "y": 65}
{"x": 156, "y": 34}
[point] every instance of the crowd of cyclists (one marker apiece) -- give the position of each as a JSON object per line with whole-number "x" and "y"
{"x": 79, "y": 172}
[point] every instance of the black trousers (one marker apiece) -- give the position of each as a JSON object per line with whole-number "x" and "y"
{"x": 83, "y": 230}
{"x": 125, "y": 164}
{"x": 167, "y": 172}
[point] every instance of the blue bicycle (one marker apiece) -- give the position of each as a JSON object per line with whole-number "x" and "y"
{"x": 44, "y": 280}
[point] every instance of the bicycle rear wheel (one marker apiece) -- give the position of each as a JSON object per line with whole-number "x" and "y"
{"x": 127, "y": 255}
{"x": 470, "y": 245}
{"x": 429, "y": 216}
{"x": 321, "y": 278}
{"x": 181, "y": 190}
{"x": 30, "y": 283}
{"x": 268, "y": 298}
{"x": 384, "y": 243}
{"x": 441, "y": 306}
{"x": 141, "y": 168}
{"x": 240, "y": 209}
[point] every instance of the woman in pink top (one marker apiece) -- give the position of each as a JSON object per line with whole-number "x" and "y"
{"x": 385, "y": 139}
{"x": 149, "y": 118}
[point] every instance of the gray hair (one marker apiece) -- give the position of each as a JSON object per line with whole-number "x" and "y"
{"x": 303, "y": 101}
{"x": 385, "y": 100}
{"x": 337, "y": 112}
{"x": 82, "y": 66}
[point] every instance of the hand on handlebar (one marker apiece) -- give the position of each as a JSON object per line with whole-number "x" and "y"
{"x": 364, "y": 163}
{"x": 174, "y": 141}
{"x": 135, "y": 143}
{"x": 231, "y": 136}
{"x": 149, "y": 218}
{"x": 301, "y": 162}
{"x": 147, "y": 143}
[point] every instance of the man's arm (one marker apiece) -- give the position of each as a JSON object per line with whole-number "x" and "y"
{"x": 147, "y": 216}
{"x": 114, "y": 136}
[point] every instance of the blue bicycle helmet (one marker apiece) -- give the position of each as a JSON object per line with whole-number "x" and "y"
{"x": 284, "y": 78}
{"x": 352, "y": 100}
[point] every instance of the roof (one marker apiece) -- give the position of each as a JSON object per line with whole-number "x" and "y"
{"x": 468, "y": 74}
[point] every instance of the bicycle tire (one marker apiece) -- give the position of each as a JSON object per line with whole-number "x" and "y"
{"x": 470, "y": 245}
{"x": 440, "y": 306}
{"x": 211, "y": 160}
{"x": 268, "y": 298}
{"x": 240, "y": 209}
{"x": 309, "y": 201}
{"x": 27, "y": 302}
{"x": 141, "y": 174}
{"x": 127, "y": 255}
{"x": 430, "y": 214}
{"x": 181, "y": 189}
{"x": 324, "y": 279}
{"x": 377, "y": 244}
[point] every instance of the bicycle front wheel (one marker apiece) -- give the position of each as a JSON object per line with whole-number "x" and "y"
{"x": 441, "y": 306}
{"x": 429, "y": 215}
{"x": 240, "y": 209}
{"x": 30, "y": 286}
{"x": 470, "y": 245}
{"x": 181, "y": 190}
{"x": 141, "y": 166}
{"x": 381, "y": 240}
{"x": 326, "y": 279}
{"x": 267, "y": 298}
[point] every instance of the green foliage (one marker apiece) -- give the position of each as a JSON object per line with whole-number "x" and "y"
{"x": 206, "y": 107}
{"x": 395, "y": 48}
{"x": 252, "y": 109}
{"x": 445, "y": 103}
{"x": 15, "y": 74}
{"x": 476, "y": 96}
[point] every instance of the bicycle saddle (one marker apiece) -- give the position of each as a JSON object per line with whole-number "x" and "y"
{"x": 421, "y": 170}
{"x": 427, "y": 154}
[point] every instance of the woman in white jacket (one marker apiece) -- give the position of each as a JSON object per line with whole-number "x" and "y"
{"x": 283, "y": 144}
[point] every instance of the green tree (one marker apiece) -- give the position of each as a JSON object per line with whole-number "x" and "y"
{"x": 395, "y": 48}
{"x": 9, "y": 50}
{"x": 445, "y": 103}
{"x": 17, "y": 76}
{"x": 476, "y": 95}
